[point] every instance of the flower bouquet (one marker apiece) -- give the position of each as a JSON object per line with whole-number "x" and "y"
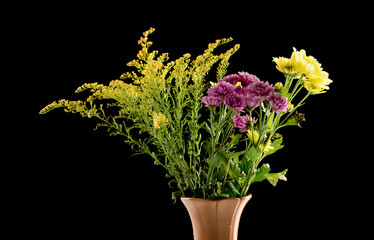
{"x": 210, "y": 137}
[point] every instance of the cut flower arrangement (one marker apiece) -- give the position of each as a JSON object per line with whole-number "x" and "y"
{"x": 211, "y": 137}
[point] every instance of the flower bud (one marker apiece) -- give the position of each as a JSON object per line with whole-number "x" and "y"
{"x": 290, "y": 106}
{"x": 278, "y": 86}
{"x": 238, "y": 84}
{"x": 299, "y": 117}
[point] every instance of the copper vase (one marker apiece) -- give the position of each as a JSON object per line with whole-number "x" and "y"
{"x": 215, "y": 219}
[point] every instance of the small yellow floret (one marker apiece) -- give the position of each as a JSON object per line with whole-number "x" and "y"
{"x": 159, "y": 120}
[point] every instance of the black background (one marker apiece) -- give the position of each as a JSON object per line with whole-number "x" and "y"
{"x": 66, "y": 180}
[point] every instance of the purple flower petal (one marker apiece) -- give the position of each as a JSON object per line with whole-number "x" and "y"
{"x": 242, "y": 122}
{"x": 251, "y": 102}
{"x": 248, "y": 79}
{"x": 261, "y": 90}
{"x": 211, "y": 101}
{"x": 242, "y": 91}
{"x": 278, "y": 102}
{"x": 235, "y": 101}
{"x": 220, "y": 90}
{"x": 232, "y": 78}
{"x": 238, "y": 121}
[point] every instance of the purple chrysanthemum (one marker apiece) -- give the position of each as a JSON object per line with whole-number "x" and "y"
{"x": 211, "y": 101}
{"x": 261, "y": 90}
{"x": 235, "y": 101}
{"x": 251, "y": 102}
{"x": 232, "y": 78}
{"x": 239, "y": 121}
{"x": 278, "y": 102}
{"x": 220, "y": 90}
{"x": 241, "y": 90}
{"x": 242, "y": 122}
{"x": 248, "y": 79}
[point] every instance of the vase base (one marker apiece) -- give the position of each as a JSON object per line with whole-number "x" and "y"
{"x": 215, "y": 219}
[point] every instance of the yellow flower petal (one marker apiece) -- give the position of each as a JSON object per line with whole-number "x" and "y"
{"x": 253, "y": 136}
{"x": 284, "y": 65}
{"x": 267, "y": 148}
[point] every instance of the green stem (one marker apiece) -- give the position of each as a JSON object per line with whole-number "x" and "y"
{"x": 295, "y": 90}
{"x": 227, "y": 170}
{"x": 212, "y": 131}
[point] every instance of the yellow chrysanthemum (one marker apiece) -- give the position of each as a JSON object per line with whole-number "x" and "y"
{"x": 312, "y": 88}
{"x": 316, "y": 84}
{"x": 315, "y": 80}
{"x": 253, "y": 136}
{"x": 295, "y": 64}
{"x": 312, "y": 66}
{"x": 159, "y": 120}
{"x": 284, "y": 65}
{"x": 299, "y": 60}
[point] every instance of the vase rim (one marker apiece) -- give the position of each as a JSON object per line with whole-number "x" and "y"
{"x": 247, "y": 197}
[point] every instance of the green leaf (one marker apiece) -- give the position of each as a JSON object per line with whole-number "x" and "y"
{"x": 247, "y": 160}
{"x": 235, "y": 139}
{"x": 235, "y": 155}
{"x": 222, "y": 156}
{"x": 245, "y": 164}
{"x": 152, "y": 139}
{"x": 219, "y": 174}
{"x": 274, "y": 177}
{"x": 175, "y": 195}
{"x": 284, "y": 92}
{"x": 189, "y": 123}
{"x": 295, "y": 119}
{"x": 204, "y": 173}
{"x": 183, "y": 148}
{"x": 219, "y": 185}
{"x": 291, "y": 122}
{"x": 233, "y": 188}
{"x": 270, "y": 121}
{"x": 202, "y": 125}
{"x": 207, "y": 146}
{"x": 212, "y": 162}
{"x": 253, "y": 153}
{"x": 234, "y": 170}
{"x": 261, "y": 173}
{"x": 276, "y": 145}
{"x": 146, "y": 148}
{"x": 224, "y": 195}
{"x": 207, "y": 127}
{"x": 175, "y": 133}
